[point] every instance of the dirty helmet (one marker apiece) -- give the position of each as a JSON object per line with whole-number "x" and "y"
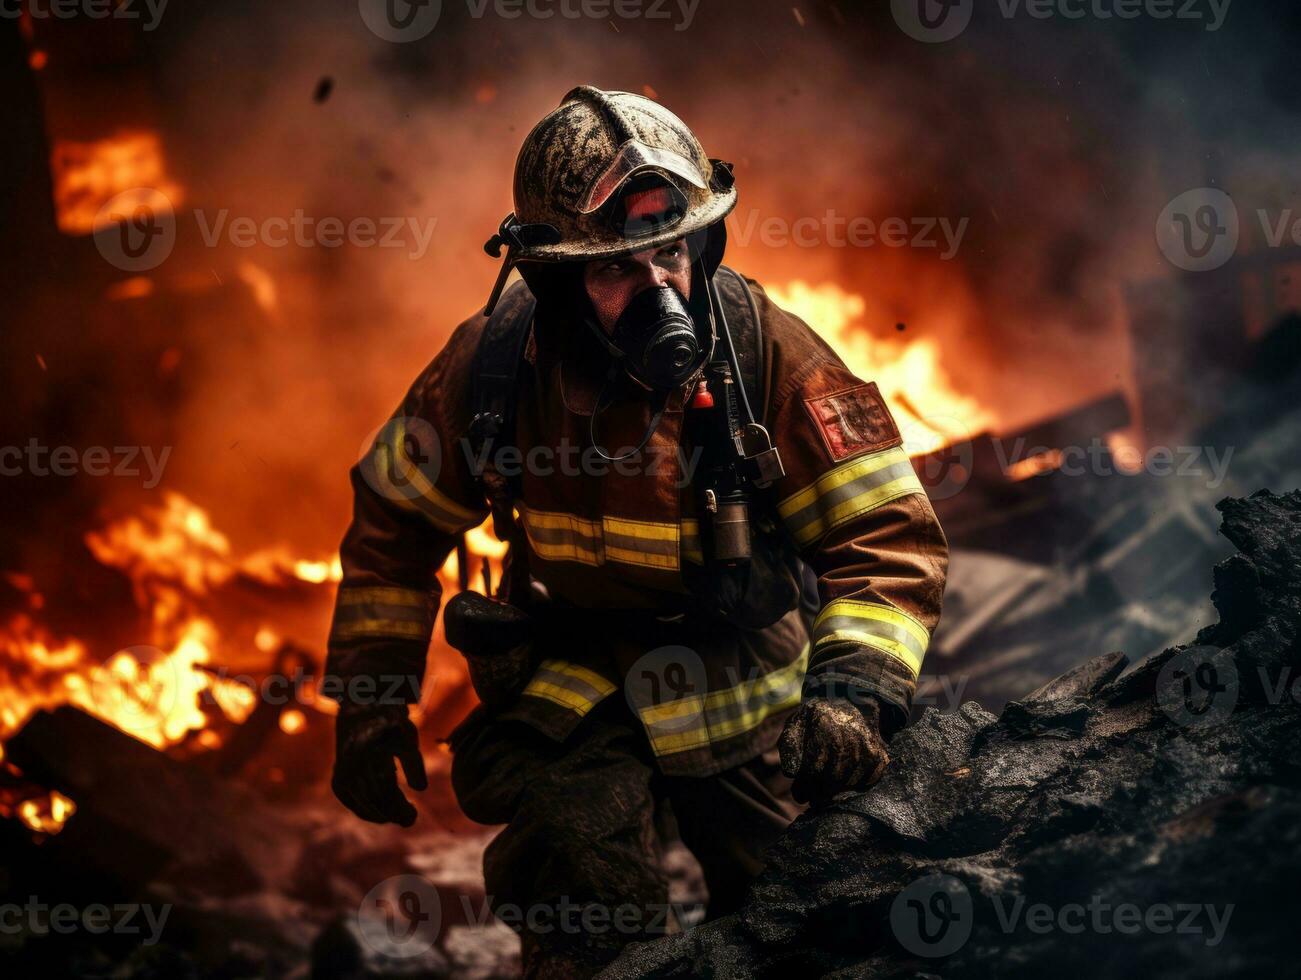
{"x": 607, "y": 174}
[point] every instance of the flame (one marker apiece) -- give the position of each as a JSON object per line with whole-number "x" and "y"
{"x": 481, "y": 544}
{"x": 175, "y": 558}
{"x": 87, "y": 175}
{"x": 141, "y": 690}
{"x": 174, "y": 550}
{"x": 930, "y": 412}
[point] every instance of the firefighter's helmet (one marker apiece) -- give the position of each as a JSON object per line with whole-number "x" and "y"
{"x": 608, "y": 173}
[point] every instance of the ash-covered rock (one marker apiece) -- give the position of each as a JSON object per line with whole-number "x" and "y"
{"x": 1111, "y": 823}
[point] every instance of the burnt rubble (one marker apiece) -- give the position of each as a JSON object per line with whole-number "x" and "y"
{"x": 1009, "y": 844}
{"x": 1142, "y": 822}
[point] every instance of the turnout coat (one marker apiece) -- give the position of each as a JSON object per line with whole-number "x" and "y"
{"x": 616, "y": 548}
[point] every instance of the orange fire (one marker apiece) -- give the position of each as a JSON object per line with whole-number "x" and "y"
{"x": 175, "y": 559}
{"x": 930, "y": 411}
{"x": 87, "y": 175}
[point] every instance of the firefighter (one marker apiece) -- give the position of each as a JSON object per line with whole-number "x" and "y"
{"x": 723, "y": 571}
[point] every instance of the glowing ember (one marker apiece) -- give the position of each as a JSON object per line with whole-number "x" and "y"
{"x": 87, "y": 175}
{"x": 136, "y": 287}
{"x": 929, "y": 411}
{"x": 47, "y": 815}
{"x": 261, "y": 285}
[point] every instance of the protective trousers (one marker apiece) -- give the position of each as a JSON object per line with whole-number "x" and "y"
{"x": 577, "y": 870}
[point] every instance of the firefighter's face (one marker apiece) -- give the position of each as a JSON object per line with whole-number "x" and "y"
{"x": 612, "y": 283}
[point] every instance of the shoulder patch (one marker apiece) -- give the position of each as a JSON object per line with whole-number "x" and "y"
{"x": 852, "y": 421}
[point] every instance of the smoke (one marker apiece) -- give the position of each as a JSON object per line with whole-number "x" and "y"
{"x": 1053, "y": 145}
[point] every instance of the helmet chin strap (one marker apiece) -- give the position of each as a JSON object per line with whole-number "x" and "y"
{"x": 702, "y": 286}
{"x": 660, "y": 401}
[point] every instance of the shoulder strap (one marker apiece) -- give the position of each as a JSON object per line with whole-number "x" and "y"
{"x": 492, "y": 424}
{"x": 496, "y": 372}
{"x": 747, "y": 333}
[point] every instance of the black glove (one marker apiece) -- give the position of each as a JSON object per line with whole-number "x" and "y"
{"x": 831, "y": 745}
{"x": 367, "y": 739}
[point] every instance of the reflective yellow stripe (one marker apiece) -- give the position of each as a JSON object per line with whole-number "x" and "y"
{"x": 838, "y": 477}
{"x": 380, "y": 627}
{"x": 559, "y": 695}
{"x": 672, "y": 710}
{"x": 579, "y": 672}
{"x": 692, "y": 550}
{"x": 641, "y": 529}
{"x": 567, "y": 537}
{"x": 847, "y": 492}
{"x": 568, "y": 522}
{"x": 353, "y": 595}
{"x": 569, "y": 685}
{"x": 382, "y": 611}
{"x": 723, "y": 714}
{"x": 418, "y": 494}
{"x": 882, "y": 627}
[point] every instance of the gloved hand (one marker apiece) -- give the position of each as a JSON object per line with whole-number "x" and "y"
{"x": 367, "y": 739}
{"x": 831, "y": 745}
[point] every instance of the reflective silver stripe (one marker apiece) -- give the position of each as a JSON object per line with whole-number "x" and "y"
{"x": 696, "y": 721}
{"x": 382, "y": 611}
{"x": 555, "y": 536}
{"x": 562, "y": 537}
{"x": 876, "y": 625}
{"x": 403, "y": 482}
{"x": 641, "y": 542}
{"x": 568, "y": 685}
{"x": 849, "y": 491}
